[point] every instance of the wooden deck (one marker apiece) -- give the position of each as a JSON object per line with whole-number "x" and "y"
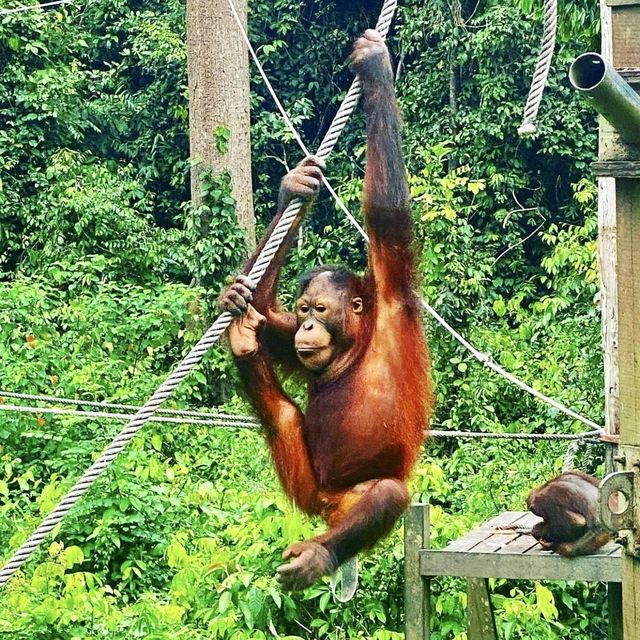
{"x": 487, "y": 553}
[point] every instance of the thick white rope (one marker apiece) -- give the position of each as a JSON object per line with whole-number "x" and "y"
{"x": 248, "y": 422}
{"x": 196, "y": 354}
{"x": 481, "y": 357}
{"x": 218, "y": 421}
{"x": 485, "y": 359}
{"x": 353, "y": 94}
{"x": 29, "y": 7}
{"x": 114, "y": 405}
{"x": 541, "y": 73}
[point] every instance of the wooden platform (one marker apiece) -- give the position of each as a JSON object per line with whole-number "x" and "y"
{"x": 492, "y": 551}
{"x": 486, "y": 553}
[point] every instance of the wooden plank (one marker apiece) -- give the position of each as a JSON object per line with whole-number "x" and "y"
{"x": 475, "y": 536}
{"x": 521, "y": 544}
{"x": 631, "y": 597}
{"x": 632, "y": 76}
{"x": 616, "y": 169}
{"x": 482, "y": 624}
{"x": 607, "y": 259}
{"x": 538, "y": 550}
{"x": 500, "y": 539}
{"x": 625, "y": 27}
{"x": 494, "y": 543}
{"x": 628, "y": 246}
{"x": 416, "y": 587}
{"x": 611, "y": 548}
{"x": 541, "y": 566}
{"x": 628, "y": 273}
{"x": 606, "y": 44}
{"x": 528, "y": 519}
{"x": 622, "y": 3}
{"x": 614, "y": 597}
{"x": 504, "y": 519}
{"x": 468, "y": 541}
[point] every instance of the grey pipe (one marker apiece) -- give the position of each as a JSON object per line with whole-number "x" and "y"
{"x": 609, "y": 93}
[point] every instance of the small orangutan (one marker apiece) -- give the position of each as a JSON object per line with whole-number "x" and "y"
{"x": 568, "y": 506}
{"x": 359, "y": 341}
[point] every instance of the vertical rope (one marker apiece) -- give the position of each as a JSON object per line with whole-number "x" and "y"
{"x": 569, "y": 462}
{"x": 541, "y": 73}
{"x": 196, "y": 354}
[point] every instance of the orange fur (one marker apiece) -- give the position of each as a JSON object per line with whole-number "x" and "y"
{"x": 349, "y": 456}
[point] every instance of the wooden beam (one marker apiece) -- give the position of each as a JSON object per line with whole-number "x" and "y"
{"x": 482, "y": 624}
{"x": 608, "y": 261}
{"x": 625, "y": 46}
{"x": 628, "y": 275}
{"x": 626, "y": 43}
{"x": 599, "y": 568}
{"x": 416, "y": 587}
{"x": 614, "y": 597}
{"x": 607, "y": 171}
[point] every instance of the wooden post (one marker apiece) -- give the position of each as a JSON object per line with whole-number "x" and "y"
{"x": 620, "y": 161}
{"x": 416, "y": 586}
{"x": 482, "y": 625}
{"x": 608, "y": 261}
{"x": 614, "y": 595}
{"x": 628, "y": 271}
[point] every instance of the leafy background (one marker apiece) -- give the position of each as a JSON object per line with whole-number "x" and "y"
{"x": 99, "y": 250}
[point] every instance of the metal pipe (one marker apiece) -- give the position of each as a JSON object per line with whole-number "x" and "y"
{"x": 610, "y": 94}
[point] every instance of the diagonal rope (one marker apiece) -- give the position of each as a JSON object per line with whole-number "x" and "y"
{"x": 116, "y": 405}
{"x": 478, "y": 355}
{"x": 541, "y": 73}
{"x": 486, "y": 360}
{"x": 29, "y": 7}
{"x": 196, "y": 354}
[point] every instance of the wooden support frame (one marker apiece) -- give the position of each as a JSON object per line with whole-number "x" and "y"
{"x": 485, "y": 553}
{"x": 619, "y": 218}
{"x": 619, "y": 251}
{"x": 417, "y": 589}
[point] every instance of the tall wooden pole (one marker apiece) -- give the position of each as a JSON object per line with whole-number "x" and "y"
{"x": 218, "y": 66}
{"x": 608, "y": 262}
{"x": 628, "y": 271}
{"x": 619, "y": 171}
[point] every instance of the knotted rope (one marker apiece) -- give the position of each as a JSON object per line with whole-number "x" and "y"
{"x": 541, "y": 73}
{"x": 196, "y": 354}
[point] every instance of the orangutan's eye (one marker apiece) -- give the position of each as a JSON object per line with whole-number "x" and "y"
{"x": 304, "y": 308}
{"x": 321, "y": 308}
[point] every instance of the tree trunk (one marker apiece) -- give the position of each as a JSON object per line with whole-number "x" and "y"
{"x": 218, "y": 66}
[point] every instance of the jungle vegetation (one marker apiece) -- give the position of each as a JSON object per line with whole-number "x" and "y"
{"x": 105, "y": 282}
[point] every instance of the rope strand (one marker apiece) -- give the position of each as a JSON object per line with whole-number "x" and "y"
{"x": 6, "y": 12}
{"x": 534, "y": 100}
{"x": 248, "y": 422}
{"x": 196, "y": 354}
{"x": 481, "y": 357}
{"x": 113, "y": 405}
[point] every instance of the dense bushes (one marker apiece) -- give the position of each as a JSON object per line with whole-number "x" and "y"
{"x": 99, "y": 249}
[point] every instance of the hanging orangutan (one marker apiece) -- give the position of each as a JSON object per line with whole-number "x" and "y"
{"x": 361, "y": 343}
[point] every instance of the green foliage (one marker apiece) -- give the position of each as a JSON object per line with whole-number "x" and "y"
{"x": 108, "y": 273}
{"x": 214, "y": 244}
